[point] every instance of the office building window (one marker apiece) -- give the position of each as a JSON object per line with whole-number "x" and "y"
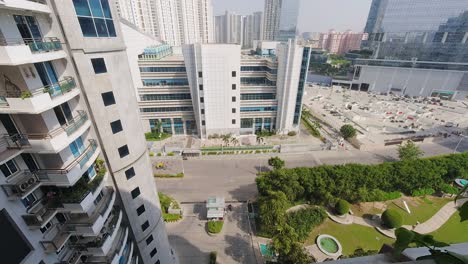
{"x": 8, "y": 168}
{"x": 135, "y": 193}
{"x": 203, "y": 111}
{"x": 200, "y": 87}
{"x": 234, "y": 87}
{"x": 130, "y": 173}
{"x": 149, "y": 240}
{"x": 145, "y": 226}
{"x": 233, "y": 121}
{"x": 95, "y": 18}
{"x": 116, "y": 126}
{"x": 203, "y": 122}
{"x": 108, "y": 98}
{"x": 233, "y": 110}
{"x": 153, "y": 252}
{"x": 166, "y": 109}
{"x": 234, "y": 74}
{"x": 202, "y": 100}
{"x": 123, "y": 151}
{"x": 200, "y": 74}
{"x": 140, "y": 209}
{"x": 164, "y": 97}
{"x": 233, "y": 99}
{"x": 157, "y": 262}
{"x": 99, "y": 65}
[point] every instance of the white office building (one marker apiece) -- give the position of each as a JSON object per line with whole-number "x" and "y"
{"x": 206, "y": 89}
{"x": 77, "y": 183}
{"x": 175, "y": 22}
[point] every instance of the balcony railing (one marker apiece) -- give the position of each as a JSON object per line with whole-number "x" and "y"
{"x": 42, "y": 210}
{"x": 14, "y": 141}
{"x": 35, "y": 45}
{"x": 69, "y": 128}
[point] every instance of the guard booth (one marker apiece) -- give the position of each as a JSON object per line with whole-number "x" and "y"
{"x": 215, "y": 208}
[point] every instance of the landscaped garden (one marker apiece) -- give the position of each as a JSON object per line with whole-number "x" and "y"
{"x": 167, "y": 205}
{"x": 215, "y": 227}
{"x": 154, "y": 136}
{"x": 371, "y": 190}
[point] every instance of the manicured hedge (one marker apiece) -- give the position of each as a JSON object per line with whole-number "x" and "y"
{"x": 360, "y": 183}
{"x": 304, "y": 220}
{"x": 342, "y": 207}
{"x": 215, "y": 227}
{"x": 392, "y": 219}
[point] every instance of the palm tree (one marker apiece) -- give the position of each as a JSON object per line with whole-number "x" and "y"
{"x": 260, "y": 140}
{"x": 234, "y": 141}
{"x": 226, "y": 139}
{"x": 158, "y": 126}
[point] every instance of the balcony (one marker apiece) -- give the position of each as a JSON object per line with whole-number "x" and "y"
{"x": 125, "y": 257}
{"x": 84, "y": 225}
{"x": 12, "y": 145}
{"x": 42, "y": 211}
{"x": 61, "y": 137}
{"x": 73, "y": 171}
{"x": 16, "y": 101}
{"x": 14, "y": 52}
{"x": 21, "y": 184}
{"x": 26, "y": 5}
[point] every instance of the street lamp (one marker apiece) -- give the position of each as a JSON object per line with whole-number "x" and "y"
{"x": 459, "y": 142}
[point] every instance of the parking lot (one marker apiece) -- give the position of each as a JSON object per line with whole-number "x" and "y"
{"x": 193, "y": 244}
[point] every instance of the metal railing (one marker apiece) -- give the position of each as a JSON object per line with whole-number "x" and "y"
{"x": 69, "y": 128}
{"x": 35, "y": 44}
{"x": 55, "y": 89}
{"x": 14, "y": 141}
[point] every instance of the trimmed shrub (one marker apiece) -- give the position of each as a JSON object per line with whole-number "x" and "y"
{"x": 392, "y": 219}
{"x": 171, "y": 217}
{"x": 348, "y": 131}
{"x": 292, "y": 133}
{"x": 214, "y": 227}
{"x": 213, "y": 256}
{"x": 171, "y": 154}
{"x": 151, "y": 154}
{"x": 342, "y": 207}
{"x": 422, "y": 192}
{"x": 447, "y": 188}
{"x": 178, "y": 175}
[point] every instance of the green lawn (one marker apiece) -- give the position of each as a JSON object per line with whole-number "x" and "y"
{"x": 351, "y": 237}
{"x": 422, "y": 208}
{"x": 156, "y": 136}
{"x": 453, "y": 231}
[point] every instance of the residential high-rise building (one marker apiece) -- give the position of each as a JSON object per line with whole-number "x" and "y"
{"x": 252, "y": 29}
{"x": 341, "y": 42}
{"x": 280, "y": 20}
{"x": 229, "y": 28}
{"x": 207, "y": 89}
{"x": 77, "y": 183}
{"x": 176, "y": 22}
{"x": 419, "y": 48}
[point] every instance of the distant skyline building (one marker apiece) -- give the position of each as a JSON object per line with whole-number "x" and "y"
{"x": 229, "y": 28}
{"x": 281, "y": 19}
{"x": 252, "y": 29}
{"x": 175, "y": 22}
{"x": 419, "y": 48}
{"x": 341, "y": 42}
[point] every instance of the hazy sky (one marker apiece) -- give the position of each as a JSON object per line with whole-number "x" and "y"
{"x": 316, "y": 15}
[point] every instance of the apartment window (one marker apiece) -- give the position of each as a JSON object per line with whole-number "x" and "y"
{"x": 157, "y": 262}
{"x": 123, "y": 151}
{"x": 234, "y": 86}
{"x": 108, "y": 98}
{"x": 166, "y": 109}
{"x": 99, "y": 65}
{"x": 46, "y": 227}
{"x": 234, "y": 73}
{"x": 233, "y": 110}
{"x": 233, "y": 99}
{"x": 153, "y": 252}
{"x": 145, "y": 226}
{"x": 149, "y": 240}
{"x": 200, "y": 87}
{"x": 8, "y": 168}
{"x": 165, "y": 97}
{"x": 95, "y": 18}
{"x": 140, "y": 209}
{"x": 135, "y": 192}
{"x": 200, "y": 74}
{"x": 203, "y": 122}
{"x": 202, "y": 100}
{"x": 130, "y": 173}
{"x": 203, "y": 111}
{"x": 116, "y": 126}
{"x": 233, "y": 121}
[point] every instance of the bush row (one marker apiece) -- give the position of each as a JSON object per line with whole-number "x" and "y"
{"x": 361, "y": 183}
{"x": 304, "y": 220}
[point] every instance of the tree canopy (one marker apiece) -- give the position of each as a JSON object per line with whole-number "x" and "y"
{"x": 409, "y": 151}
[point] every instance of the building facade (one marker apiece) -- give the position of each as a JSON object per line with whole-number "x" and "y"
{"x": 77, "y": 185}
{"x": 341, "y": 42}
{"x": 271, "y": 19}
{"x": 252, "y": 29}
{"x": 229, "y": 28}
{"x": 280, "y": 21}
{"x": 176, "y": 22}
{"x": 207, "y": 89}
{"x": 419, "y": 48}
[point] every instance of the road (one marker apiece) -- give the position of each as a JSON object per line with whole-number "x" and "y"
{"x": 233, "y": 177}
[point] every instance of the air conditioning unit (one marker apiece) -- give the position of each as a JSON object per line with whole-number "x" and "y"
{"x": 27, "y": 183}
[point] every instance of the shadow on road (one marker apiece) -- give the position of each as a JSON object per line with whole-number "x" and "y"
{"x": 244, "y": 192}
{"x": 186, "y": 251}
{"x": 236, "y": 248}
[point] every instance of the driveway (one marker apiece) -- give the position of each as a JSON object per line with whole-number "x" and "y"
{"x": 193, "y": 244}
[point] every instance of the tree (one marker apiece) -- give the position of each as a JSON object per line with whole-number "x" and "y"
{"x": 157, "y": 128}
{"x": 276, "y": 163}
{"x": 392, "y": 219}
{"x": 234, "y": 141}
{"x": 405, "y": 237}
{"x": 342, "y": 207}
{"x": 260, "y": 140}
{"x": 226, "y": 139}
{"x": 272, "y": 207}
{"x": 348, "y": 131}
{"x": 409, "y": 151}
